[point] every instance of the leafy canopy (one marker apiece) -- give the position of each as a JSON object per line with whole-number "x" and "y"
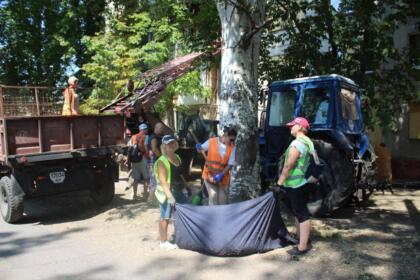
{"x": 355, "y": 41}
{"x": 140, "y": 38}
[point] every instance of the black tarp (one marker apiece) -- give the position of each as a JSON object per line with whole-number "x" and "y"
{"x": 238, "y": 229}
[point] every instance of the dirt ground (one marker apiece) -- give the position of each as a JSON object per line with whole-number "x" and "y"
{"x": 378, "y": 240}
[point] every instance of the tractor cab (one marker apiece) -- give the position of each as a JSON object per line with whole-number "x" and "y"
{"x": 331, "y": 104}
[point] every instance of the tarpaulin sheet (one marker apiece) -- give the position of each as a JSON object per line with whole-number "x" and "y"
{"x": 238, "y": 229}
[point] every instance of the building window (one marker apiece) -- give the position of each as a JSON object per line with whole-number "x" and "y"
{"x": 414, "y": 40}
{"x": 414, "y": 121}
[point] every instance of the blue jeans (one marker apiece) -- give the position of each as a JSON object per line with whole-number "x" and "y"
{"x": 165, "y": 208}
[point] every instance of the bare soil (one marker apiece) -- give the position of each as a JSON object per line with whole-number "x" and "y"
{"x": 377, "y": 240}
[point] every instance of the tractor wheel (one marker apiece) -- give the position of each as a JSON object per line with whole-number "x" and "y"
{"x": 103, "y": 192}
{"x": 336, "y": 182}
{"x": 11, "y": 202}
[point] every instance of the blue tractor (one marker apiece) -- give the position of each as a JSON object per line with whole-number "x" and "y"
{"x": 332, "y": 105}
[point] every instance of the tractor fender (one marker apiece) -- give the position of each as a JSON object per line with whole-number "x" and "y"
{"x": 338, "y": 137}
{"x": 364, "y": 145}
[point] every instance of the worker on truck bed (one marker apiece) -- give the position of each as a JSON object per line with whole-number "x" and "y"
{"x": 71, "y": 101}
{"x": 292, "y": 181}
{"x": 220, "y": 159}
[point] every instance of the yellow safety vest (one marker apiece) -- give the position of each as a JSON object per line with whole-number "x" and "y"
{"x": 159, "y": 193}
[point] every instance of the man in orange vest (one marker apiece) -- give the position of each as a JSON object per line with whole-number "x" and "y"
{"x": 137, "y": 157}
{"x": 220, "y": 159}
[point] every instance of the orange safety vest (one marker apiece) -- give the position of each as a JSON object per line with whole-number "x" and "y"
{"x": 138, "y": 139}
{"x": 215, "y": 164}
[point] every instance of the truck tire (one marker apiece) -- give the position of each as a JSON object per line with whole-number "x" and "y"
{"x": 11, "y": 201}
{"x": 103, "y": 192}
{"x": 336, "y": 182}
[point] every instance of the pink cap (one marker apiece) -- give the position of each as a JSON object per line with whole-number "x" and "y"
{"x": 300, "y": 121}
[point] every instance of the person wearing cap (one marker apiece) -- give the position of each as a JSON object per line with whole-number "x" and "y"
{"x": 71, "y": 102}
{"x": 292, "y": 180}
{"x": 170, "y": 186}
{"x": 153, "y": 144}
{"x": 137, "y": 157}
{"x": 220, "y": 159}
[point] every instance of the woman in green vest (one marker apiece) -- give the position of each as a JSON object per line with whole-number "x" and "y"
{"x": 170, "y": 185}
{"x": 292, "y": 179}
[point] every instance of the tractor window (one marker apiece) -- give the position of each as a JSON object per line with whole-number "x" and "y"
{"x": 315, "y": 105}
{"x": 282, "y": 107}
{"x": 349, "y": 105}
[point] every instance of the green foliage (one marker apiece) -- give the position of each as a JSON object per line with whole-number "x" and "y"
{"x": 40, "y": 39}
{"x": 189, "y": 84}
{"x": 137, "y": 40}
{"x": 354, "y": 41}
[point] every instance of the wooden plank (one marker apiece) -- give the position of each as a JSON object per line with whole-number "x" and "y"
{"x": 37, "y": 102}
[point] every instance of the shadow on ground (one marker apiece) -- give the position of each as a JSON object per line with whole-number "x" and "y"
{"x": 12, "y": 244}
{"x": 78, "y": 206}
{"x": 375, "y": 240}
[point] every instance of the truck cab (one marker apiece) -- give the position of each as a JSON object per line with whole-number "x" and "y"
{"x": 332, "y": 105}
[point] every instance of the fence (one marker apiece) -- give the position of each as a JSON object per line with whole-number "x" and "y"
{"x": 32, "y": 101}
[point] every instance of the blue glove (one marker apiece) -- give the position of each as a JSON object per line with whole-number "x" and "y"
{"x": 219, "y": 177}
{"x": 198, "y": 146}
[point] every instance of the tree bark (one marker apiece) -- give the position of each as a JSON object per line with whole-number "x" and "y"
{"x": 238, "y": 95}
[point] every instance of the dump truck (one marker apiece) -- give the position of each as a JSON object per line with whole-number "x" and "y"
{"x": 332, "y": 104}
{"x": 43, "y": 153}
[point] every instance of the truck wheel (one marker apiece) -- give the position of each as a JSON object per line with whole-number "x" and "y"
{"x": 336, "y": 182}
{"x": 11, "y": 203}
{"x": 103, "y": 192}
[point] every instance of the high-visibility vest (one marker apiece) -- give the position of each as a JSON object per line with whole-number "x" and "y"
{"x": 159, "y": 193}
{"x": 296, "y": 176}
{"x": 215, "y": 164}
{"x": 139, "y": 140}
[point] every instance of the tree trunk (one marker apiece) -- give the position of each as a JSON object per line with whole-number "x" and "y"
{"x": 238, "y": 96}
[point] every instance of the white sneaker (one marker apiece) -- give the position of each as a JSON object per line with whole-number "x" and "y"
{"x": 168, "y": 245}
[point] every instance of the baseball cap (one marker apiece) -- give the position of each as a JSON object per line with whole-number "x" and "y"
{"x": 300, "y": 121}
{"x": 168, "y": 139}
{"x": 143, "y": 126}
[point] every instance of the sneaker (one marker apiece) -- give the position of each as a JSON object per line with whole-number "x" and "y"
{"x": 168, "y": 245}
{"x": 296, "y": 252}
{"x": 291, "y": 239}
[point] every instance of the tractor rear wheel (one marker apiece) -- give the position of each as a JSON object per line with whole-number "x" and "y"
{"x": 336, "y": 184}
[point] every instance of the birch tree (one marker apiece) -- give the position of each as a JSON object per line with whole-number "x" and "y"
{"x": 241, "y": 23}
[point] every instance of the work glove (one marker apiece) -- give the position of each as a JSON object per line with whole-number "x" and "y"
{"x": 171, "y": 201}
{"x": 278, "y": 191}
{"x": 219, "y": 177}
{"x": 189, "y": 193}
{"x": 198, "y": 146}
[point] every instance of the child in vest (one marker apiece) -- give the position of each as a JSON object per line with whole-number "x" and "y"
{"x": 169, "y": 187}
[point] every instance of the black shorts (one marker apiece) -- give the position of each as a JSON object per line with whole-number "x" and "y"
{"x": 296, "y": 200}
